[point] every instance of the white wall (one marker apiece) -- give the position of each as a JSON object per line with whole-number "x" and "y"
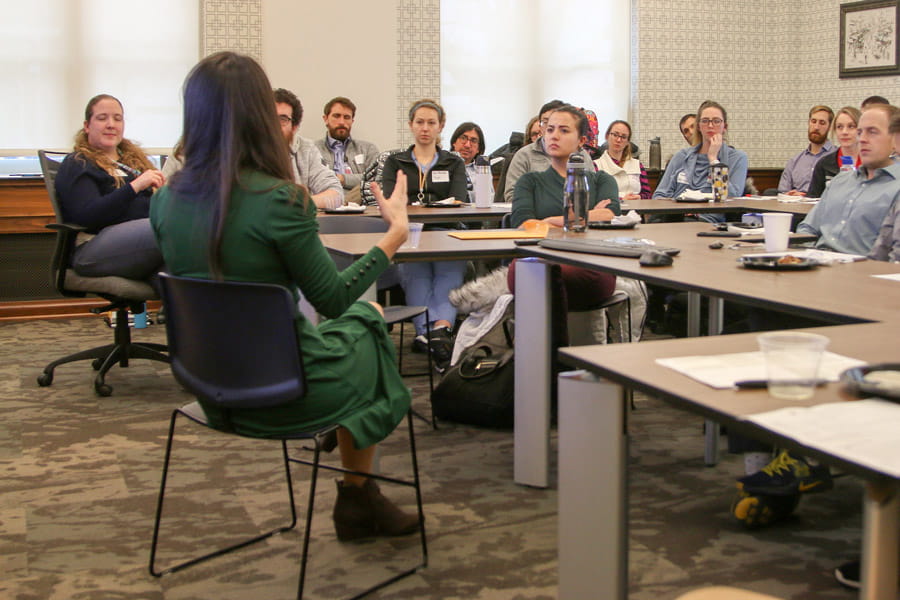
{"x": 320, "y": 50}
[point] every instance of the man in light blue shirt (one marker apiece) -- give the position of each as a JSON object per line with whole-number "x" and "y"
{"x": 849, "y": 215}
{"x": 798, "y": 171}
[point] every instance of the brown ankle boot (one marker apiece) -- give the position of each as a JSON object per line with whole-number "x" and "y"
{"x": 353, "y": 515}
{"x": 361, "y": 512}
{"x": 389, "y": 519}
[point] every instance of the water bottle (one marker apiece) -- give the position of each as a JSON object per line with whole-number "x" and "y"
{"x": 655, "y": 154}
{"x": 484, "y": 193}
{"x": 575, "y": 195}
{"x": 847, "y": 164}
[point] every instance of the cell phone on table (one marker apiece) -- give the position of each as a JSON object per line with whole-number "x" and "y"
{"x": 527, "y": 242}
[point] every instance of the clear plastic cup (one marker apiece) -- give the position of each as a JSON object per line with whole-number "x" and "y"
{"x": 792, "y": 362}
{"x": 415, "y": 232}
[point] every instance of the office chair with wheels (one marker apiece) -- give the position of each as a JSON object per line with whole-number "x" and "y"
{"x": 230, "y": 358}
{"x": 121, "y": 293}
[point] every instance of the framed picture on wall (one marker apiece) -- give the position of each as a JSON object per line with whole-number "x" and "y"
{"x": 869, "y": 38}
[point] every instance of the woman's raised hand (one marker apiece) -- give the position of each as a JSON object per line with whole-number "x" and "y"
{"x": 393, "y": 209}
{"x": 148, "y": 179}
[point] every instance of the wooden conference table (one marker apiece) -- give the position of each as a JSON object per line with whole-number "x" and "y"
{"x": 466, "y": 213}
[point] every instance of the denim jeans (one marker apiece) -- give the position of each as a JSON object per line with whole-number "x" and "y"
{"x": 429, "y": 284}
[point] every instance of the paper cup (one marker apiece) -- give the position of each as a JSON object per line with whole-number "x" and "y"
{"x": 415, "y": 232}
{"x": 792, "y": 362}
{"x": 777, "y": 230}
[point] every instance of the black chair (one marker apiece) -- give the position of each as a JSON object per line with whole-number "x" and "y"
{"x": 230, "y": 359}
{"x": 122, "y": 295}
{"x": 388, "y": 280}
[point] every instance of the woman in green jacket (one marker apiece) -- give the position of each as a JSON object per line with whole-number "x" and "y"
{"x": 233, "y": 213}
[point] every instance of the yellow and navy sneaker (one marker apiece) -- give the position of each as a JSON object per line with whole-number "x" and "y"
{"x": 787, "y": 476}
{"x": 758, "y": 511}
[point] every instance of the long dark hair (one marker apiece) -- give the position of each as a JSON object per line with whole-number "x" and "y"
{"x": 230, "y": 124}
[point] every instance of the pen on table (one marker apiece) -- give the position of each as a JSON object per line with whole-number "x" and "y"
{"x": 761, "y": 384}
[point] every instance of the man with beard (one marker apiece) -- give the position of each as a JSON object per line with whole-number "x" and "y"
{"x": 347, "y": 157}
{"x": 306, "y": 161}
{"x": 798, "y": 171}
{"x": 468, "y": 142}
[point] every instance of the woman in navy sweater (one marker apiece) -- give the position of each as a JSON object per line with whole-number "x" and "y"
{"x": 105, "y": 185}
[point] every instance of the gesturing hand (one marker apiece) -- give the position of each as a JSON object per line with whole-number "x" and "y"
{"x": 393, "y": 209}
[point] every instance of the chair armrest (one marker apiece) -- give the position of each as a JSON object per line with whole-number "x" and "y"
{"x": 62, "y": 255}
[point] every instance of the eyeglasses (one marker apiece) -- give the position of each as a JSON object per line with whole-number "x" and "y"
{"x": 715, "y": 122}
{"x": 285, "y": 119}
{"x": 618, "y": 136}
{"x": 465, "y": 139}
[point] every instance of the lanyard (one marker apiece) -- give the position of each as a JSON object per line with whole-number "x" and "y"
{"x": 422, "y": 177}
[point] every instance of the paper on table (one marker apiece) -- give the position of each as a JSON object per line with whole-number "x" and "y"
{"x": 796, "y": 199}
{"x": 892, "y": 276}
{"x": 696, "y": 195}
{"x": 863, "y": 432}
{"x": 720, "y": 371}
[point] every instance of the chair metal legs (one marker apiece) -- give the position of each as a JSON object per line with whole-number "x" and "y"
{"x": 316, "y": 466}
{"x": 220, "y": 552}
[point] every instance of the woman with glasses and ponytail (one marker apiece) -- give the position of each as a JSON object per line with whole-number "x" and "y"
{"x": 689, "y": 169}
{"x": 617, "y": 160}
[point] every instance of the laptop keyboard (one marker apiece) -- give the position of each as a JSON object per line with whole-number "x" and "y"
{"x": 629, "y": 249}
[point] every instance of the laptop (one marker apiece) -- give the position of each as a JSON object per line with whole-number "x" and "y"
{"x": 627, "y": 247}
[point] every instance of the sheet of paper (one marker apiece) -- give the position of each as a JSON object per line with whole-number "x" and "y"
{"x": 892, "y": 276}
{"x": 720, "y": 371}
{"x": 866, "y": 432}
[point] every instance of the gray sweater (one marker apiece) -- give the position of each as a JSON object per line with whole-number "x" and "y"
{"x": 529, "y": 159}
{"x": 358, "y": 155}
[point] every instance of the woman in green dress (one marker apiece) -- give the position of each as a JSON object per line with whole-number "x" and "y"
{"x": 233, "y": 212}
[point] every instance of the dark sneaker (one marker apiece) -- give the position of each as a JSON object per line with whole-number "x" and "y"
{"x": 420, "y": 344}
{"x": 848, "y": 574}
{"x": 758, "y": 511}
{"x": 441, "y": 345}
{"x": 787, "y": 476}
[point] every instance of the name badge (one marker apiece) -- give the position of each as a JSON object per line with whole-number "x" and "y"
{"x": 440, "y": 176}
{"x": 359, "y": 159}
{"x": 121, "y": 173}
{"x": 682, "y": 177}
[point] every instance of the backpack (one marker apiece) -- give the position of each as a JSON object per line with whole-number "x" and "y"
{"x": 479, "y": 388}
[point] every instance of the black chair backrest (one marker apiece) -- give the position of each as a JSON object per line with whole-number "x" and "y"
{"x": 50, "y": 162}
{"x": 233, "y": 344}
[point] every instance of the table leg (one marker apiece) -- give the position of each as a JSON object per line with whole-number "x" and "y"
{"x": 593, "y": 515}
{"x": 533, "y": 372}
{"x": 881, "y": 537}
{"x": 711, "y": 447}
{"x": 693, "y": 314}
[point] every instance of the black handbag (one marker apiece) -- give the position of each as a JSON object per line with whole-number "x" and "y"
{"x": 479, "y": 389}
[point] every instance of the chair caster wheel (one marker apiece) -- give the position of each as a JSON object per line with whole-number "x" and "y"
{"x": 96, "y": 364}
{"x": 45, "y": 379}
{"x": 102, "y": 389}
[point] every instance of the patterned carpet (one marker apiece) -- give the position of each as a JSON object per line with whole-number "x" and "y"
{"x": 80, "y": 475}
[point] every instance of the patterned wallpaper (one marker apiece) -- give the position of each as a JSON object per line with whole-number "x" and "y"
{"x": 231, "y": 25}
{"x": 767, "y": 62}
{"x": 418, "y": 58}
